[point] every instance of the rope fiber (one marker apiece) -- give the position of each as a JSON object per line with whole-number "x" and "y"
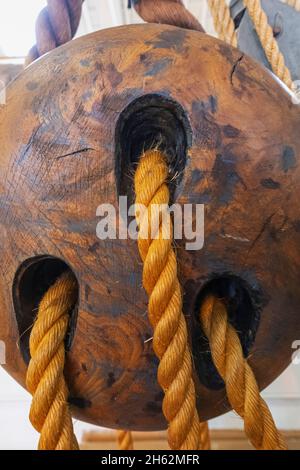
{"x": 56, "y": 24}
{"x": 50, "y": 413}
{"x": 124, "y": 440}
{"x": 223, "y": 23}
{"x": 172, "y": 12}
{"x": 160, "y": 280}
{"x": 241, "y": 386}
{"x": 268, "y": 42}
{"x": 225, "y": 28}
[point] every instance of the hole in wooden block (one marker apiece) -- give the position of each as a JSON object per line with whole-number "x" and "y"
{"x": 243, "y": 306}
{"x": 151, "y": 121}
{"x": 32, "y": 280}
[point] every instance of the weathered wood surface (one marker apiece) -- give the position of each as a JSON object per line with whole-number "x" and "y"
{"x": 58, "y": 163}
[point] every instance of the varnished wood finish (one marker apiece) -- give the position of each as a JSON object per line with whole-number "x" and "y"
{"x": 58, "y": 163}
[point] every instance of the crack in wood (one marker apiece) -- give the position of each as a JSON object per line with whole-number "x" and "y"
{"x": 75, "y": 153}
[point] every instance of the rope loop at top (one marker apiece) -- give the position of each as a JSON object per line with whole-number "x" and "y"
{"x": 56, "y": 24}
{"x": 172, "y": 12}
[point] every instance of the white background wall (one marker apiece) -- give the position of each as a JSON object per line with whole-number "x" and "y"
{"x": 16, "y": 432}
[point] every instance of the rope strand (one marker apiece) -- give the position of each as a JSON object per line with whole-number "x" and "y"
{"x": 170, "y": 340}
{"x": 56, "y": 24}
{"x": 241, "y": 386}
{"x": 172, "y": 12}
{"x": 268, "y": 42}
{"x": 124, "y": 440}
{"x": 223, "y": 23}
{"x": 205, "y": 443}
{"x": 50, "y": 413}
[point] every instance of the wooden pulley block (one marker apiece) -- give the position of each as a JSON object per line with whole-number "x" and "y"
{"x": 71, "y": 132}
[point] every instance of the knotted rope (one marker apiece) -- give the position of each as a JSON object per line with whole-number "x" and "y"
{"x": 124, "y": 440}
{"x": 56, "y": 24}
{"x": 172, "y": 12}
{"x": 160, "y": 280}
{"x": 241, "y": 386}
{"x": 50, "y": 413}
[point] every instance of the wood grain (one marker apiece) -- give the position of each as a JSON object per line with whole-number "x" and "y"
{"x": 58, "y": 162}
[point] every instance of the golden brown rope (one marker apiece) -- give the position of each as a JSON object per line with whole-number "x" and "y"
{"x": 223, "y": 23}
{"x": 268, "y": 42}
{"x": 204, "y": 436}
{"x": 124, "y": 440}
{"x": 171, "y": 12}
{"x": 241, "y": 386}
{"x": 160, "y": 280}
{"x": 224, "y": 26}
{"x": 56, "y": 24}
{"x": 50, "y": 413}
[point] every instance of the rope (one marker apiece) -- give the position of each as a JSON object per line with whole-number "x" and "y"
{"x": 224, "y": 26}
{"x": 56, "y": 24}
{"x": 204, "y": 436}
{"x": 241, "y": 386}
{"x": 49, "y": 413}
{"x": 223, "y": 23}
{"x": 268, "y": 42}
{"x": 170, "y": 339}
{"x": 124, "y": 440}
{"x": 172, "y": 12}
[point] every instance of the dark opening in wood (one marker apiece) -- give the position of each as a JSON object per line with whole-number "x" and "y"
{"x": 151, "y": 121}
{"x": 243, "y": 305}
{"x": 32, "y": 280}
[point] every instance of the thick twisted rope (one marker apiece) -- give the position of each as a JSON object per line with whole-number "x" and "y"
{"x": 241, "y": 386}
{"x": 223, "y": 23}
{"x": 172, "y": 12}
{"x": 224, "y": 26}
{"x": 160, "y": 280}
{"x": 124, "y": 440}
{"x": 49, "y": 413}
{"x": 56, "y": 24}
{"x": 268, "y": 42}
{"x": 205, "y": 443}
